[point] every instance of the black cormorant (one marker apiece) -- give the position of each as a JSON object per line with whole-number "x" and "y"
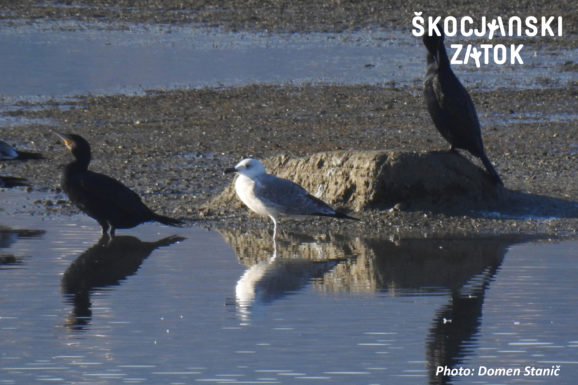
{"x": 103, "y": 198}
{"x": 450, "y": 105}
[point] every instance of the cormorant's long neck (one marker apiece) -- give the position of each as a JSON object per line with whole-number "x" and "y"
{"x": 80, "y": 162}
{"x": 442, "y": 56}
{"x": 430, "y": 58}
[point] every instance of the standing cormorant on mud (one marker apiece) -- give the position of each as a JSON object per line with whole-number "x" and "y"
{"x": 451, "y": 106}
{"x": 101, "y": 197}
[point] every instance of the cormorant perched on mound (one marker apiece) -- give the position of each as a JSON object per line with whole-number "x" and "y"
{"x": 103, "y": 198}
{"x": 450, "y": 105}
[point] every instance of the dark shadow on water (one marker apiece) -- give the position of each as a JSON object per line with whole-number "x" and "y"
{"x": 460, "y": 268}
{"x": 8, "y": 237}
{"x": 107, "y": 263}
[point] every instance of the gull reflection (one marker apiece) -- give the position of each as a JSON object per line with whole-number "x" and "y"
{"x": 107, "y": 263}
{"x": 269, "y": 280}
{"x": 289, "y": 269}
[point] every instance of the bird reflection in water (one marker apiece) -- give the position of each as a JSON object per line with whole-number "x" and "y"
{"x": 462, "y": 267}
{"x": 107, "y": 263}
{"x": 276, "y": 277}
{"x": 456, "y": 325}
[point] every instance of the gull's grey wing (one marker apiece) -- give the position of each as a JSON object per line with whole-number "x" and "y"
{"x": 289, "y": 198}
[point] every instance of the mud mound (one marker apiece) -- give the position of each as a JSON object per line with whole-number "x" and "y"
{"x": 359, "y": 180}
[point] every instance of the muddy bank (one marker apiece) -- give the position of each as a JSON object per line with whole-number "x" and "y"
{"x": 172, "y": 146}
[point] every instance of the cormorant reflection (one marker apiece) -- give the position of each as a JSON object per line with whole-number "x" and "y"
{"x": 107, "y": 263}
{"x": 464, "y": 267}
{"x": 455, "y": 327}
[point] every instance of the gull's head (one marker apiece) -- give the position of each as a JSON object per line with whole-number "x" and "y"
{"x": 249, "y": 167}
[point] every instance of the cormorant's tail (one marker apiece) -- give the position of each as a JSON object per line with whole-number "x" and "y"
{"x": 491, "y": 170}
{"x": 168, "y": 220}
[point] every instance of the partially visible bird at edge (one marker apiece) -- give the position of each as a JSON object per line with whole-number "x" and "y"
{"x": 8, "y": 152}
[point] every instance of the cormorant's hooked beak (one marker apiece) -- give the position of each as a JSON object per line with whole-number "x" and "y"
{"x": 229, "y": 170}
{"x": 66, "y": 139}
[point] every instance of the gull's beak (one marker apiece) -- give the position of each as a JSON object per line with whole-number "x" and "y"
{"x": 229, "y": 170}
{"x": 65, "y": 138}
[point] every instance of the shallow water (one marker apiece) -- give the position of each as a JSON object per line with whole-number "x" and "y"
{"x": 60, "y": 60}
{"x": 213, "y": 308}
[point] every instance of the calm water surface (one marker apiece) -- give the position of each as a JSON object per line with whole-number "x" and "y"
{"x": 212, "y": 308}
{"x": 59, "y": 60}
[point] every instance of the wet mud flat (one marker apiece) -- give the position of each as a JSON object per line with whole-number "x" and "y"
{"x": 171, "y": 147}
